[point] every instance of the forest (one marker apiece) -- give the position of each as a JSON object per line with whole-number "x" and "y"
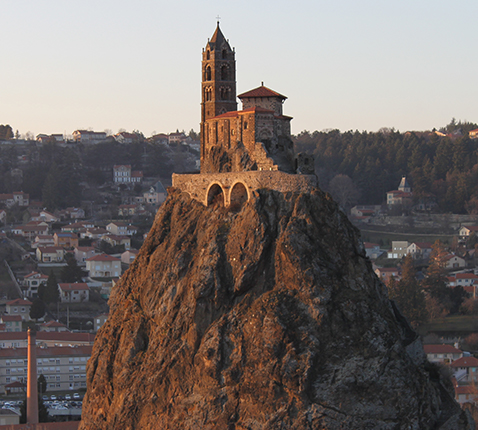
{"x": 441, "y": 167}
{"x": 57, "y": 175}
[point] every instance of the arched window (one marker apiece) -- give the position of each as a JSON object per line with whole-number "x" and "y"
{"x": 207, "y": 74}
{"x": 224, "y": 73}
{"x": 224, "y": 54}
{"x": 208, "y": 55}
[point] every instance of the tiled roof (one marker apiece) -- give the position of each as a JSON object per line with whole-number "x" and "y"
{"x": 19, "y": 302}
{"x": 57, "y": 351}
{"x": 44, "y": 336}
{"x": 465, "y": 362}
{"x": 103, "y": 257}
{"x": 74, "y": 287}
{"x": 261, "y": 91}
{"x": 441, "y": 349}
{"x": 11, "y": 318}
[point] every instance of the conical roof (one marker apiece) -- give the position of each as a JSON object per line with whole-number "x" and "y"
{"x": 218, "y": 39}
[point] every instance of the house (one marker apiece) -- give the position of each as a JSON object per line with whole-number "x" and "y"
{"x": 462, "y": 280}
{"x": 156, "y": 195}
{"x": 12, "y": 322}
{"x": 75, "y": 213}
{"x": 129, "y": 210}
{"x": 82, "y": 253}
{"x": 43, "y": 240}
{"x": 74, "y": 293}
{"x": 66, "y": 239}
{"x": 19, "y": 307}
{"x": 129, "y": 256}
{"x": 103, "y": 266}
{"x": 176, "y": 137}
{"x": 122, "y": 174}
{"x": 466, "y": 394}
{"x": 94, "y": 233}
{"x": 32, "y": 282}
{"x": 116, "y": 240}
{"x": 99, "y": 321}
{"x": 87, "y": 136}
{"x": 53, "y": 326}
{"x": 402, "y": 196}
{"x": 50, "y": 254}
{"x": 33, "y": 229}
{"x": 399, "y": 249}
{"x": 17, "y": 197}
{"x": 45, "y": 216}
{"x": 372, "y": 250}
{"x": 126, "y": 138}
{"x": 454, "y": 262}
{"x": 442, "y": 353}
{"x": 387, "y": 273}
{"x": 76, "y": 227}
{"x": 473, "y": 134}
{"x": 365, "y": 210}
{"x": 118, "y": 228}
{"x": 9, "y": 416}
{"x": 465, "y": 369}
{"x": 121, "y": 229}
{"x": 466, "y": 231}
{"x": 420, "y": 250}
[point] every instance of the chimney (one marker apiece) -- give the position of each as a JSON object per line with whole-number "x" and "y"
{"x": 32, "y": 388}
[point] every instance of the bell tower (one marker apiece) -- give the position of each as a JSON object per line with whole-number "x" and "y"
{"x": 218, "y": 88}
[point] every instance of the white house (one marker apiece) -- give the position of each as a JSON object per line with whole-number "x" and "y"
{"x": 442, "y": 353}
{"x": 74, "y": 293}
{"x": 32, "y": 282}
{"x": 420, "y": 250}
{"x": 103, "y": 266}
{"x": 399, "y": 249}
{"x": 19, "y": 307}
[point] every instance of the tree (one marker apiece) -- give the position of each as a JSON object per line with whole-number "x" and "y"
{"x": 71, "y": 272}
{"x": 408, "y": 294}
{"x": 49, "y": 293}
{"x": 344, "y": 191}
{"x": 37, "y": 309}
{"x": 42, "y": 385}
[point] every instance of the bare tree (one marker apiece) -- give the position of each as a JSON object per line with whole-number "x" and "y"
{"x": 344, "y": 191}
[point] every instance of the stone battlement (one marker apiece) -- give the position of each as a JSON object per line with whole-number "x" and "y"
{"x": 237, "y": 187}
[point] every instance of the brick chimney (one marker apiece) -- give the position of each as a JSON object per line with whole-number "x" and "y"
{"x": 32, "y": 388}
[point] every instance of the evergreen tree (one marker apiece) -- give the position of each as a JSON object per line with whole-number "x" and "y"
{"x": 49, "y": 293}
{"x": 71, "y": 272}
{"x": 37, "y": 310}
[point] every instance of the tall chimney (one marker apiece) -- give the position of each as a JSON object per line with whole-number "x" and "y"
{"x": 32, "y": 388}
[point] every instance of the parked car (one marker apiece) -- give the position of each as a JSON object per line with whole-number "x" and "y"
{"x": 67, "y": 397}
{"x": 53, "y": 397}
{"x": 76, "y": 396}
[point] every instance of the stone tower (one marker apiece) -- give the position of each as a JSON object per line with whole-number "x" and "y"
{"x": 218, "y": 92}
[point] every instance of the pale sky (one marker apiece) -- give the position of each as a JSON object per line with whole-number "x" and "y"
{"x": 106, "y": 65}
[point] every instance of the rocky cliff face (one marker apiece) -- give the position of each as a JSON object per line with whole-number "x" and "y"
{"x": 266, "y": 318}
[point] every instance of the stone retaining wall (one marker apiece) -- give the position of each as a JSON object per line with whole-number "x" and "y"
{"x": 203, "y": 187}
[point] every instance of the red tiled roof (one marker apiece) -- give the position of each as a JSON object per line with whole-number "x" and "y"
{"x": 19, "y": 302}
{"x": 465, "y": 362}
{"x": 441, "y": 349}
{"x": 48, "y": 351}
{"x": 422, "y": 245}
{"x": 466, "y": 389}
{"x": 60, "y": 337}
{"x": 370, "y": 245}
{"x": 74, "y": 287}
{"x": 261, "y": 91}
{"x": 103, "y": 257}
{"x": 53, "y": 324}
{"x": 11, "y": 318}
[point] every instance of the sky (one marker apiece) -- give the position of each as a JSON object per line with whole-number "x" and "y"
{"x": 136, "y": 65}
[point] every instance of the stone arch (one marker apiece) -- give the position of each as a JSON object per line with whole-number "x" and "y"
{"x": 207, "y": 73}
{"x": 239, "y": 194}
{"x": 215, "y": 195}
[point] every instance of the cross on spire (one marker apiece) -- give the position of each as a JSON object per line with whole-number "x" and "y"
{"x": 218, "y": 18}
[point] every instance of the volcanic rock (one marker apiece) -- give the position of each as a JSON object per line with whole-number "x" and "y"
{"x": 267, "y": 316}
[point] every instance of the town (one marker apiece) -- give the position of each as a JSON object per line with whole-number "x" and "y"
{"x": 74, "y": 219}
